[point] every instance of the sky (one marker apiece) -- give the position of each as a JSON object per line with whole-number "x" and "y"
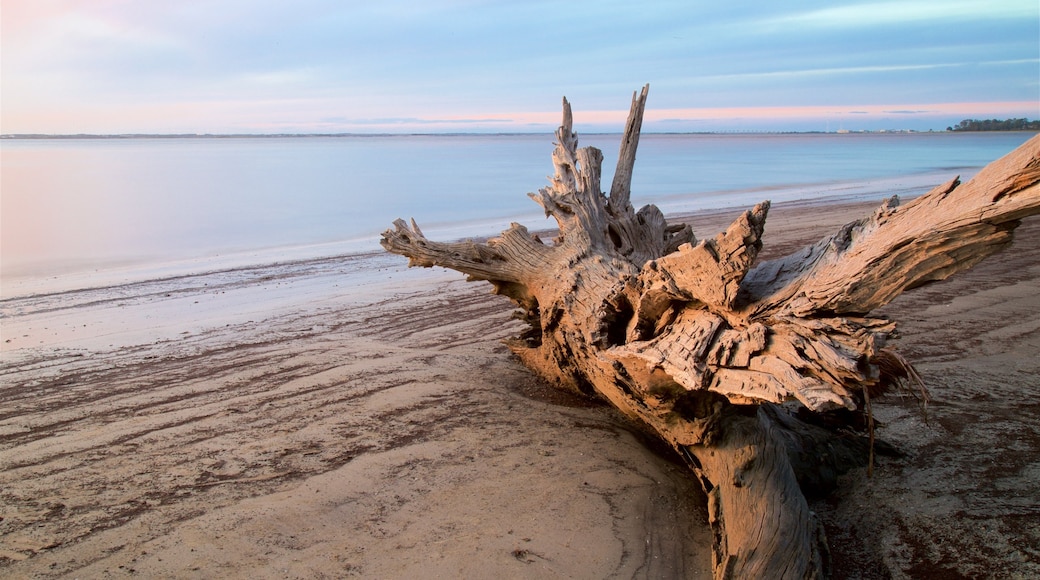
{"x": 427, "y": 66}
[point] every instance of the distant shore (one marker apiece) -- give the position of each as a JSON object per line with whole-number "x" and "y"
{"x": 462, "y": 134}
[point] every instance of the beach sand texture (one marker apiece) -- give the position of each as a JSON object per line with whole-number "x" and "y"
{"x": 349, "y": 417}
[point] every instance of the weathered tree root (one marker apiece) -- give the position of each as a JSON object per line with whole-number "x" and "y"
{"x": 710, "y": 349}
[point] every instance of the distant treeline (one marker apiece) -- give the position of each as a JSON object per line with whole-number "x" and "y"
{"x": 996, "y": 125}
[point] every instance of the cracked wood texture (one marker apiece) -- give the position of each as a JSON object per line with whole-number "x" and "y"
{"x": 716, "y": 352}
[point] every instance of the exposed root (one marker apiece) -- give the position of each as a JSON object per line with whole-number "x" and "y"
{"x": 897, "y": 371}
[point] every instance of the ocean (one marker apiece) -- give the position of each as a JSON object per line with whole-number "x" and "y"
{"x": 75, "y": 210}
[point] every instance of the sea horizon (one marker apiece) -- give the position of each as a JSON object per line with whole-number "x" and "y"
{"x": 207, "y": 135}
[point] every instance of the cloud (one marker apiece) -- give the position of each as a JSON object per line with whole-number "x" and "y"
{"x": 75, "y": 36}
{"x": 902, "y": 12}
{"x": 241, "y": 64}
{"x": 414, "y": 121}
{"x": 917, "y": 116}
{"x": 853, "y": 70}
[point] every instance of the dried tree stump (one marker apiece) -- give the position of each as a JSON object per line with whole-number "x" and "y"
{"x": 717, "y": 353}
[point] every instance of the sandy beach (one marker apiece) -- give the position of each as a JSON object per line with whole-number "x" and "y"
{"x": 351, "y": 417}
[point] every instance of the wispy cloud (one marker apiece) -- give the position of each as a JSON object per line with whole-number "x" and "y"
{"x": 902, "y": 12}
{"x": 917, "y": 116}
{"x": 414, "y": 121}
{"x": 817, "y": 72}
{"x": 72, "y": 66}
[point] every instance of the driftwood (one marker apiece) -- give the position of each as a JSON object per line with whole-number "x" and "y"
{"x": 720, "y": 356}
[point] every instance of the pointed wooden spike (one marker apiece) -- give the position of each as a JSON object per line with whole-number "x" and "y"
{"x": 621, "y": 188}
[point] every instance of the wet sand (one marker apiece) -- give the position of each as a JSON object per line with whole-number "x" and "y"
{"x": 350, "y": 417}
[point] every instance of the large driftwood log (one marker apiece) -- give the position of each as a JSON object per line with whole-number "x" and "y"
{"x": 717, "y": 353}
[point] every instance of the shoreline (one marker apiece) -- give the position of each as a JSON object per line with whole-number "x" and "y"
{"x": 20, "y": 286}
{"x": 344, "y": 417}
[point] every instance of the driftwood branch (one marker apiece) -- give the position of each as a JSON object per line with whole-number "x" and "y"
{"x": 712, "y": 350}
{"x": 870, "y": 262}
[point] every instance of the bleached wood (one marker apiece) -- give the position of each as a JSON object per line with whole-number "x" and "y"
{"x": 870, "y": 262}
{"x": 761, "y": 522}
{"x": 701, "y": 344}
{"x": 621, "y": 188}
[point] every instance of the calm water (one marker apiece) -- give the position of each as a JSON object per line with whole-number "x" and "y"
{"x": 77, "y": 205}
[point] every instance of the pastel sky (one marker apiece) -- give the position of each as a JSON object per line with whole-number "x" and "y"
{"x": 266, "y": 66}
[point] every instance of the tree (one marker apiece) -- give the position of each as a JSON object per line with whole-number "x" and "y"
{"x": 996, "y": 125}
{"x": 722, "y": 357}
